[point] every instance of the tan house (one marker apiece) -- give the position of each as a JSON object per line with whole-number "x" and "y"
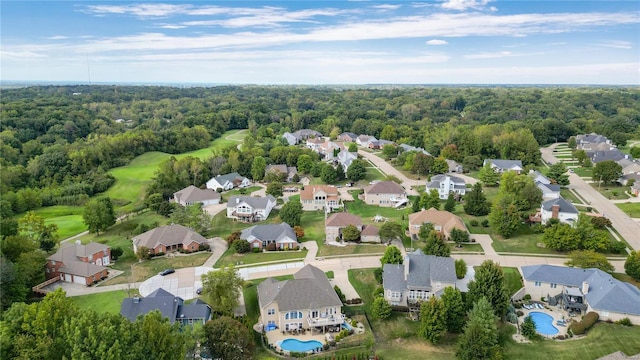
{"x": 308, "y": 301}
{"x": 192, "y": 195}
{"x": 385, "y": 193}
{"x": 169, "y": 238}
{"x": 338, "y": 221}
{"x": 286, "y": 172}
{"x": 370, "y": 234}
{"x": 442, "y": 221}
{"x": 320, "y": 197}
{"x": 80, "y": 264}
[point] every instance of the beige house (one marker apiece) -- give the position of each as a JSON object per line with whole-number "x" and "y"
{"x": 442, "y": 221}
{"x": 192, "y": 195}
{"x": 168, "y": 238}
{"x": 338, "y": 221}
{"x": 385, "y": 193}
{"x": 370, "y": 234}
{"x": 308, "y": 301}
{"x": 320, "y": 197}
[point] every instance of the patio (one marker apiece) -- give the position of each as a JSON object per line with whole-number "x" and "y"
{"x": 274, "y": 336}
{"x": 556, "y": 312}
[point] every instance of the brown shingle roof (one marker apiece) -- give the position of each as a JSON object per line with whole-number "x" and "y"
{"x": 370, "y": 230}
{"x": 193, "y": 194}
{"x": 309, "y": 190}
{"x": 384, "y": 187}
{"x": 342, "y": 219}
{"x": 70, "y": 254}
{"x": 447, "y": 220}
{"x": 168, "y": 236}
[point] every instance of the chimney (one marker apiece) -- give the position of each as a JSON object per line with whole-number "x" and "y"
{"x": 136, "y": 300}
{"x": 585, "y": 288}
{"x": 237, "y": 200}
{"x": 406, "y": 267}
{"x": 555, "y": 209}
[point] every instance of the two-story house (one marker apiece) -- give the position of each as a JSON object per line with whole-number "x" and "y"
{"x": 300, "y": 135}
{"x": 385, "y": 193}
{"x": 193, "y": 195}
{"x": 250, "y": 209}
{"x": 170, "y": 306}
{"x": 305, "y": 302}
{"x": 442, "y": 221}
{"x": 338, "y": 221}
{"x": 347, "y": 137}
{"x": 417, "y": 279}
{"x": 559, "y": 209}
{"x": 80, "y": 264}
{"x": 345, "y": 158}
{"x": 285, "y": 172}
{"x": 320, "y": 197}
{"x": 447, "y": 184}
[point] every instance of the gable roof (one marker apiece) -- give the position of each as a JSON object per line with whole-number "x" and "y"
{"x": 348, "y": 134}
{"x": 591, "y": 138}
{"x": 168, "y": 235}
{"x": 306, "y": 133}
{"x": 309, "y": 190}
{"x": 438, "y": 179}
{"x": 605, "y": 155}
{"x": 408, "y": 148}
{"x": 309, "y": 289}
{"x": 342, "y": 219}
{"x": 256, "y": 202}
{"x": 196, "y": 310}
{"x": 231, "y": 177}
{"x": 504, "y": 164}
{"x": 70, "y": 255}
{"x": 565, "y": 206}
{"x": 604, "y": 292}
{"x": 547, "y": 188}
{"x": 442, "y": 218}
{"x": 346, "y": 157}
{"x": 384, "y": 187}
{"x": 275, "y": 232}
{"x": 369, "y": 230}
{"x": 160, "y": 300}
{"x": 194, "y": 194}
{"x": 423, "y": 271}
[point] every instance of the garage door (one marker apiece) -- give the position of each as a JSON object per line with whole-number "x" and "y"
{"x": 79, "y": 280}
{"x": 67, "y": 278}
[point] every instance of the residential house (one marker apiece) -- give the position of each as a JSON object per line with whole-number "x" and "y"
{"x": 635, "y": 188}
{"x": 300, "y": 135}
{"x": 584, "y": 290}
{"x": 407, "y": 148}
{"x": 385, "y": 193}
{"x": 538, "y": 177}
{"x": 370, "y": 234}
{"x": 597, "y": 147}
{"x": 168, "y": 238}
{"x": 447, "y": 184}
{"x": 502, "y": 166}
{"x": 626, "y": 180}
{"x": 417, "y": 279}
{"x": 345, "y": 158}
{"x": 305, "y": 302}
{"x": 320, "y": 197}
{"x": 606, "y": 155}
{"x": 314, "y": 144}
{"x": 347, "y": 137}
{"x": 629, "y": 166}
{"x": 378, "y": 144}
{"x": 454, "y": 167}
{"x": 170, "y": 306}
{"x": 442, "y": 221}
{"x": 338, "y": 221}
{"x": 287, "y": 172}
{"x": 586, "y": 140}
{"x": 250, "y": 209}
{"x": 364, "y": 140}
{"x": 192, "y": 195}
{"x": 228, "y": 182}
{"x": 260, "y": 236}
{"x": 559, "y": 209}
{"x": 80, "y": 264}
{"x": 329, "y": 150}
{"x": 549, "y": 190}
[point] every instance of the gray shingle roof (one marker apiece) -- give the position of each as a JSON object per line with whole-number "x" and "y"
{"x": 393, "y": 277}
{"x": 407, "y": 148}
{"x": 270, "y": 232}
{"x": 504, "y": 164}
{"x": 438, "y": 179}
{"x": 69, "y": 254}
{"x": 384, "y": 187}
{"x": 192, "y": 194}
{"x": 423, "y": 271}
{"x": 605, "y": 292}
{"x": 160, "y": 300}
{"x": 231, "y": 177}
{"x": 168, "y": 235}
{"x": 604, "y": 155}
{"x": 256, "y": 202}
{"x": 565, "y": 206}
{"x": 310, "y": 289}
{"x": 197, "y": 310}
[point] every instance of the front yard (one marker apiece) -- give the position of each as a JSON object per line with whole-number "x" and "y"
{"x": 631, "y": 209}
{"x": 230, "y": 257}
{"x": 612, "y": 192}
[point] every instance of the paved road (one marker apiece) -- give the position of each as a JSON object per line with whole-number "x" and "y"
{"x": 628, "y": 229}
{"x": 387, "y": 169}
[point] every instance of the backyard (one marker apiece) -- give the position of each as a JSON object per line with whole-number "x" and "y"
{"x": 108, "y": 302}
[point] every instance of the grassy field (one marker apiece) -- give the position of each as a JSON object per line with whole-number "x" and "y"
{"x": 68, "y": 219}
{"x": 108, "y": 302}
{"x": 512, "y": 279}
{"x": 612, "y": 192}
{"x": 373, "y": 174}
{"x": 631, "y": 209}
{"x": 132, "y": 179}
{"x": 568, "y": 195}
{"x": 142, "y": 271}
{"x": 230, "y": 257}
{"x": 583, "y": 171}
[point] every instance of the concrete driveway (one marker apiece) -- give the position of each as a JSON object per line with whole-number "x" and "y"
{"x": 628, "y": 229}
{"x": 387, "y": 169}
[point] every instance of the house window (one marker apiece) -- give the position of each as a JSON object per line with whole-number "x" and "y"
{"x": 538, "y": 283}
{"x": 553, "y": 286}
{"x": 53, "y": 263}
{"x": 293, "y": 315}
{"x": 271, "y": 311}
{"x": 271, "y": 322}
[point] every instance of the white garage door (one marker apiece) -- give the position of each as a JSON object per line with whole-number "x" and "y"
{"x": 79, "y": 280}
{"x": 67, "y": 278}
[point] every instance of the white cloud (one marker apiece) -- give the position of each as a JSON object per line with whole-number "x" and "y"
{"x": 616, "y": 44}
{"x": 436, "y": 42}
{"x": 462, "y": 5}
{"x": 57, "y": 37}
{"x": 21, "y": 55}
{"x": 490, "y": 55}
{"x": 387, "y": 6}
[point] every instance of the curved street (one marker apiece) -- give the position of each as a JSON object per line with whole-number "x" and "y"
{"x": 626, "y": 227}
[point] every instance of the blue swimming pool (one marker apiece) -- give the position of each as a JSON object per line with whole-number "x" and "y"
{"x": 544, "y": 323}
{"x": 300, "y": 346}
{"x": 345, "y": 325}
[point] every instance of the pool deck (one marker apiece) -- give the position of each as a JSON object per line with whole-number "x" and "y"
{"x": 276, "y": 335}
{"x": 556, "y": 313}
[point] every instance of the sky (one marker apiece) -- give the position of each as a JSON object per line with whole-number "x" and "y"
{"x": 322, "y": 42}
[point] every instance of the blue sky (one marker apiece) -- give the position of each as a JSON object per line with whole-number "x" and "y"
{"x": 322, "y": 42}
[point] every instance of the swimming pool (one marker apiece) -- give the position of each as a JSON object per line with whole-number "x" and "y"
{"x": 345, "y": 325}
{"x": 300, "y": 346}
{"x": 544, "y": 323}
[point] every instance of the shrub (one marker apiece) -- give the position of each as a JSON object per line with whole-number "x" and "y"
{"x": 527, "y": 297}
{"x": 617, "y": 247}
{"x": 461, "y": 268}
{"x": 517, "y": 305}
{"x": 473, "y": 222}
{"x": 116, "y": 252}
{"x": 241, "y": 246}
{"x": 519, "y": 313}
{"x": 625, "y": 322}
{"x": 528, "y": 328}
{"x": 340, "y": 294}
{"x": 233, "y": 237}
{"x": 204, "y": 247}
{"x": 378, "y": 274}
{"x": 560, "y": 337}
{"x": 587, "y": 322}
{"x": 379, "y": 291}
{"x": 485, "y": 223}
{"x": 256, "y": 250}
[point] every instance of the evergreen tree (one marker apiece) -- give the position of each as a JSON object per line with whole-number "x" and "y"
{"x": 557, "y": 173}
{"x": 528, "y": 328}
{"x": 392, "y": 255}
{"x": 436, "y": 245}
{"x": 475, "y": 203}
{"x": 450, "y": 204}
{"x": 453, "y": 308}
{"x": 433, "y": 319}
{"x": 504, "y": 216}
{"x": 380, "y": 308}
{"x": 480, "y": 338}
{"x": 430, "y": 200}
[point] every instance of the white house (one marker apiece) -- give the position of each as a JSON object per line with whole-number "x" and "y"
{"x": 559, "y": 209}
{"x": 228, "y": 182}
{"x": 501, "y": 166}
{"x": 250, "y": 209}
{"x": 345, "y": 158}
{"x": 446, "y": 184}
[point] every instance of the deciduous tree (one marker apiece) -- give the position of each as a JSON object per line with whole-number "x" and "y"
{"x": 461, "y": 268}
{"x": 228, "y": 338}
{"x": 392, "y": 255}
{"x": 475, "y": 203}
{"x": 258, "y": 167}
{"x": 274, "y": 189}
{"x": 222, "y": 288}
{"x": 350, "y": 233}
{"x": 557, "y": 173}
{"x": 586, "y": 259}
{"x": 291, "y": 213}
{"x": 357, "y": 170}
{"x": 453, "y": 308}
{"x": 504, "y": 216}
{"x": 480, "y": 337}
{"x": 632, "y": 265}
{"x": 390, "y": 230}
{"x": 433, "y": 319}
{"x": 606, "y": 171}
{"x": 99, "y": 215}
{"x": 380, "y": 308}
{"x": 436, "y": 245}
{"x": 489, "y": 283}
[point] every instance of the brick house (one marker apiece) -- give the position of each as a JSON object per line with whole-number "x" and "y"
{"x": 80, "y": 264}
{"x": 169, "y": 238}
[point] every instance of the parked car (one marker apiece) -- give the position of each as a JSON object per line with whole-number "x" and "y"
{"x": 166, "y": 272}
{"x": 199, "y": 291}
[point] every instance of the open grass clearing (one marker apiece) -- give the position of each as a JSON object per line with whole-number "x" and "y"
{"x": 611, "y": 192}
{"x": 132, "y": 179}
{"x": 512, "y": 279}
{"x": 105, "y": 302}
{"x": 235, "y": 192}
{"x": 67, "y": 218}
{"x": 631, "y": 209}
{"x": 373, "y": 174}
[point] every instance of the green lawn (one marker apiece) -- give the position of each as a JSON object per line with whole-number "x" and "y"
{"x": 368, "y": 212}
{"x": 108, "y": 302}
{"x": 132, "y": 178}
{"x": 632, "y": 209}
{"x": 466, "y": 247}
{"x": 230, "y": 257}
{"x": 68, "y": 218}
{"x": 222, "y": 226}
{"x": 612, "y": 192}
{"x": 568, "y": 195}
{"x": 512, "y": 279}
{"x": 246, "y": 191}
{"x": 142, "y": 271}
{"x": 373, "y": 174}
{"x": 583, "y": 171}
{"x": 523, "y": 241}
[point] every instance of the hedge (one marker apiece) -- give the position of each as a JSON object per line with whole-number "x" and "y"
{"x": 579, "y": 328}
